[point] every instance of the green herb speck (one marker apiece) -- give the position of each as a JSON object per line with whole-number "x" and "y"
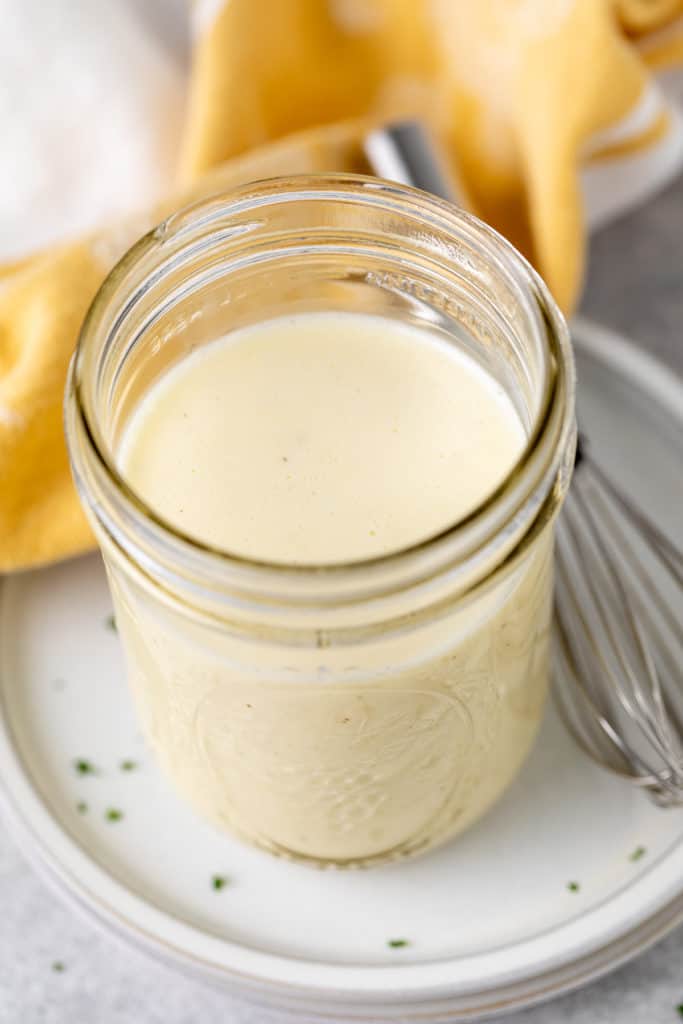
{"x": 82, "y": 807}
{"x": 219, "y": 882}
{"x": 639, "y": 852}
{"x": 397, "y": 943}
{"x": 680, "y": 1009}
{"x": 110, "y": 623}
{"x": 58, "y": 967}
{"x": 84, "y": 767}
{"x": 573, "y": 886}
{"x": 113, "y": 814}
{"x": 128, "y": 766}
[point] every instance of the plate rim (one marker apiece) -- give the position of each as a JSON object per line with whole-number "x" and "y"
{"x": 513, "y": 990}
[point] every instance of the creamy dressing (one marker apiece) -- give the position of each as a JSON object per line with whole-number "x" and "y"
{"x": 325, "y": 438}
{"x": 321, "y": 438}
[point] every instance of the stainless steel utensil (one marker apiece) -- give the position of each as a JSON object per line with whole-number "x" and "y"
{"x": 619, "y": 582}
{"x": 619, "y": 637}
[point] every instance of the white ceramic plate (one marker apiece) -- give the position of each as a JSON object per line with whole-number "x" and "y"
{"x": 490, "y": 921}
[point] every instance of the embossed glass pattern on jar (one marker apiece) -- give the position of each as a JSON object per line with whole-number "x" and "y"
{"x": 344, "y": 714}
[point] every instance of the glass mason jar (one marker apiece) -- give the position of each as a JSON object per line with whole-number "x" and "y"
{"x": 345, "y": 714}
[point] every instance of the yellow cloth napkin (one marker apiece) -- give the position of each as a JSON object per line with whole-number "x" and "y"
{"x": 545, "y": 105}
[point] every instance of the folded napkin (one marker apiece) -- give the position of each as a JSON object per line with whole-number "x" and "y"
{"x": 550, "y": 108}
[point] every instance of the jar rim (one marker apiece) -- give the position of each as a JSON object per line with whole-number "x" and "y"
{"x": 185, "y": 227}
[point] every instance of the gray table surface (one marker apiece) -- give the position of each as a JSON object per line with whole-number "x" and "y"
{"x": 635, "y": 284}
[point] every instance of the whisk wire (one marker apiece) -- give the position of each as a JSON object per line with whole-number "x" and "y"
{"x": 649, "y": 703}
{"x": 662, "y": 546}
{"x": 610, "y": 688}
{"x": 611, "y": 655}
{"x": 618, "y": 640}
{"x": 651, "y": 627}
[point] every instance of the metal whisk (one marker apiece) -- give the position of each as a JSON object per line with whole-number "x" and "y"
{"x": 619, "y": 636}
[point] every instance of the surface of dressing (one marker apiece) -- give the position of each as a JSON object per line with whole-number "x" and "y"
{"x": 321, "y": 438}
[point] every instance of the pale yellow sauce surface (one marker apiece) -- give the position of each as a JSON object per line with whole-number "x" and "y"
{"x": 321, "y": 438}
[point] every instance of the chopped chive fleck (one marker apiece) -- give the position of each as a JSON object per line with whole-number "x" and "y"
{"x": 84, "y": 767}
{"x": 680, "y": 1009}
{"x": 82, "y": 807}
{"x": 639, "y": 852}
{"x": 58, "y": 967}
{"x": 110, "y": 623}
{"x": 128, "y": 766}
{"x": 113, "y": 814}
{"x": 397, "y": 943}
{"x": 219, "y": 882}
{"x": 573, "y": 886}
